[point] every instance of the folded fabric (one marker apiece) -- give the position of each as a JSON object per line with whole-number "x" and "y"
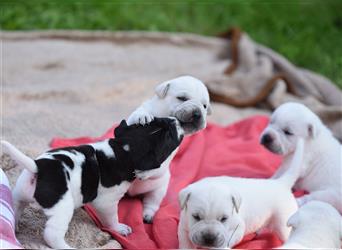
{"x": 7, "y": 225}
{"x": 233, "y": 150}
{"x": 257, "y": 76}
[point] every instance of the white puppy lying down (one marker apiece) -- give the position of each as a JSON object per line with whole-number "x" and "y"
{"x": 185, "y": 98}
{"x": 216, "y": 212}
{"x": 321, "y": 173}
{"x": 315, "y": 225}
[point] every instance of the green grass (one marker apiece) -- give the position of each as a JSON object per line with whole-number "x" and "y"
{"x": 309, "y": 33}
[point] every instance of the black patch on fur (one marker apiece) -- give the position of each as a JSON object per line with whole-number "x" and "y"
{"x": 90, "y": 173}
{"x": 114, "y": 170}
{"x": 51, "y": 182}
{"x": 66, "y": 159}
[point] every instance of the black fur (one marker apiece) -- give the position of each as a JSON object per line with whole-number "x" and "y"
{"x": 51, "y": 182}
{"x": 64, "y": 158}
{"x": 149, "y": 146}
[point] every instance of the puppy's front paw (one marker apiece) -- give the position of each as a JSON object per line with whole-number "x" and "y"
{"x": 302, "y": 200}
{"x": 123, "y": 229}
{"x": 148, "y": 215}
{"x": 140, "y": 117}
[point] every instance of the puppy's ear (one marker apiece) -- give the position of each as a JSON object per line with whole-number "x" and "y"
{"x": 312, "y": 131}
{"x": 236, "y": 200}
{"x": 119, "y": 130}
{"x": 183, "y": 197}
{"x": 293, "y": 221}
{"x": 161, "y": 89}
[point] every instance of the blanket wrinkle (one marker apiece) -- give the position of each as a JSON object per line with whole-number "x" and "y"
{"x": 254, "y": 73}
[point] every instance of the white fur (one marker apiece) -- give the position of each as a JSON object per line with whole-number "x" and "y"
{"x": 164, "y": 104}
{"x": 315, "y": 225}
{"x": 321, "y": 172}
{"x": 248, "y": 205}
{"x": 104, "y": 147}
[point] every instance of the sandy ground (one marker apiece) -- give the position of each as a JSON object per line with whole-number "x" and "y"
{"x": 71, "y": 88}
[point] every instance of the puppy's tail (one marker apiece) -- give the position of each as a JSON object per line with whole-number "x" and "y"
{"x": 292, "y": 174}
{"x": 21, "y": 159}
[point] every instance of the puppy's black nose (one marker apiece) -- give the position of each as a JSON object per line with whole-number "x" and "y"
{"x": 266, "y": 139}
{"x": 196, "y": 115}
{"x": 209, "y": 239}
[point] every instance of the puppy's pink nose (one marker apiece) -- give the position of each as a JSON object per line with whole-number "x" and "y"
{"x": 266, "y": 139}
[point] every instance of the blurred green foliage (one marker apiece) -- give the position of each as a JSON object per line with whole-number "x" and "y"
{"x": 309, "y": 33}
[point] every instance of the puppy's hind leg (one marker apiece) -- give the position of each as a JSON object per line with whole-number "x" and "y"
{"x": 23, "y": 193}
{"x": 286, "y": 207}
{"x": 279, "y": 225}
{"x": 59, "y": 217}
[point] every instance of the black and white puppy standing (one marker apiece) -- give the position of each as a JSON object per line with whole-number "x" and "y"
{"x": 185, "y": 98}
{"x": 63, "y": 179}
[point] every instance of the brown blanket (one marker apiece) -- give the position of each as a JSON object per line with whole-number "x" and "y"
{"x": 258, "y": 76}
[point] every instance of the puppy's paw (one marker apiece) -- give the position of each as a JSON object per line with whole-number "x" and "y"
{"x": 302, "y": 200}
{"x": 148, "y": 215}
{"x": 123, "y": 229}
{"x": 140, "y": 117}
{"x": 148, "y": 219}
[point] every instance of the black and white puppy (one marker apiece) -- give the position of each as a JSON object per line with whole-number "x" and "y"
{"x": 63, "y": 179}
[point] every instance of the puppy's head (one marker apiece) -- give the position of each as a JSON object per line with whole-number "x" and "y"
{"x": 289, "y": 122}
{"x": 315, "y": 213}
{"x": 210, "y": 212}
{"x": 187, "y": 99}
{"x": 148, "y": 146}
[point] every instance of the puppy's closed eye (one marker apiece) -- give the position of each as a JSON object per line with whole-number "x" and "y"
{"x": 182, "y": 98}
{"x": 196, "y": 217}
{"x": 223, "y": 219}
{"x": 287, "y": 132}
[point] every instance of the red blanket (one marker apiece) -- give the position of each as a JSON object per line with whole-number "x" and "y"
{"x": 233, "y": 150}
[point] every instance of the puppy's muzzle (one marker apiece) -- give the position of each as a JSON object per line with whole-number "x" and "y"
{"x": 209, "y": 239}
{"x": 191, "y": 118}
{"x": 268, "y": 141}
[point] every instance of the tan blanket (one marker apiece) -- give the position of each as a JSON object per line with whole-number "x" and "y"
{"x": 71, "y": 83}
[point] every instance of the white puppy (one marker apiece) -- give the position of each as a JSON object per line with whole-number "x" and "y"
{"x": 315, "y": 225}
{"x": 321, "y": 173}
{"x": 185, "y": 98}
{"x": 217, "y": 212}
